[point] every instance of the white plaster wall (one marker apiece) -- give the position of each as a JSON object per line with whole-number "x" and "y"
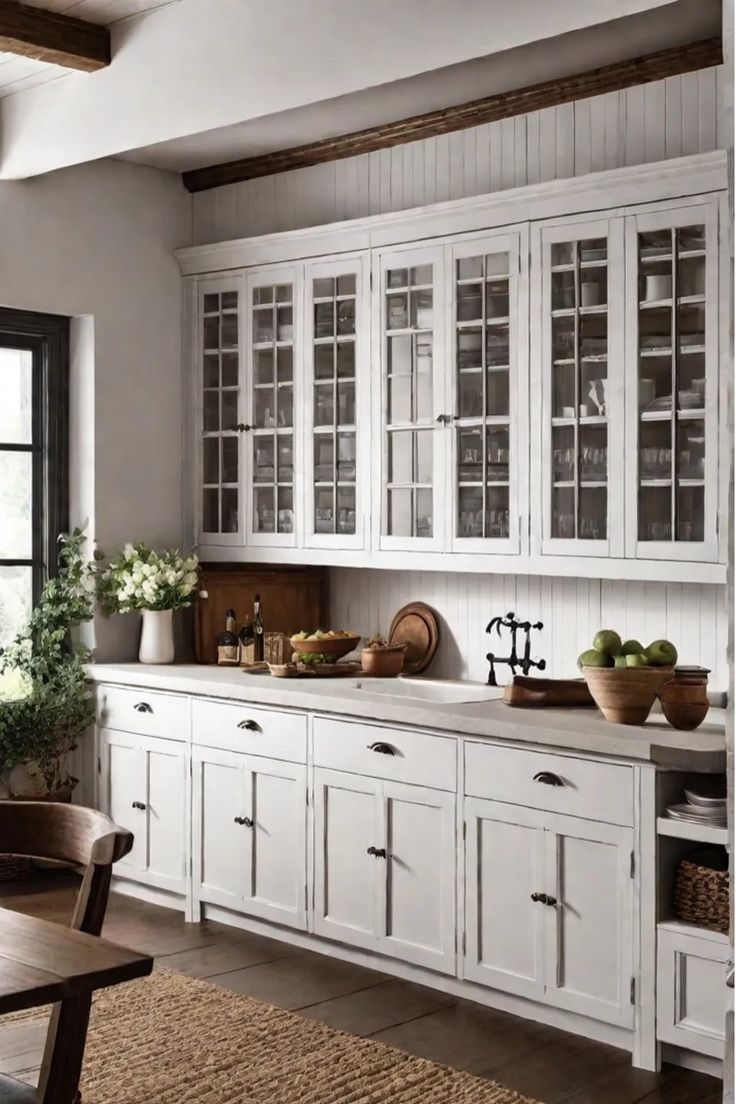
{"x": 96, "y": 243}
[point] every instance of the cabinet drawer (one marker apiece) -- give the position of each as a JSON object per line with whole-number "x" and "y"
{"x": 597, "y": 791}
{"x": 249, "y": 728}
{"x": 398, "y": 754}
{"x": 143, "y": 711}
{"x": 691, "y": 989}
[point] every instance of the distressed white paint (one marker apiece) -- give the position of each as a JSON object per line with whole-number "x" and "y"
{"x": 643, "y": 124}
{"x": 694, "y": 617}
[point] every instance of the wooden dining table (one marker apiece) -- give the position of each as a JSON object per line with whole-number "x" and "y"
{"x": 44, "y": 963}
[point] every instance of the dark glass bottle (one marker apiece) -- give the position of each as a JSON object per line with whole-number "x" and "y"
{"x": 246, "y": 638}
{"x": 227, "y": 642}
{"x": 259, "y": 637}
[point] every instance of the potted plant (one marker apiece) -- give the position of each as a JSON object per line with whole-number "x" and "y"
{"x": 156, "y": 583}
{"x": 46, "y": 703}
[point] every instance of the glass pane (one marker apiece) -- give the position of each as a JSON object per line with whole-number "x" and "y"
{"x": 397, "y": 277}
{"x": 324, "y": 405}
{"x": 497, "y": 512}
{"x": 346, "y": 358}
{"x": 346, "y": 457}
{"x": 263, "y": 363}
{"x": 470, "y": 512}
{"x": 229, "y": 510}
{"x": 263, "y": 326}
{"x": 229, "y": 410}
{"x": 346, "y": 510}
{"x": 593, "y": 454}
{"x": 285, "y": 365}
{"x": 655, "y": 513}
{"x": 264, "y": 470}
{"x": 423, "y": 521}
{"x": 16, "y": 593}
{"x": 211, "y": 333}
{"x": 323, "y": 288}
{"x": 420, "y": 274}
{"x": 400, "y": 457}
{"x": 470, "y": 268}
{"x": 470, "y": 302}
{"x": 497, "y": 345}
{"x": 593, "y": 249}
{"x": 563, "y": 454}
{"x": 563, "y": 290}
{"x": 324, "y": 319}
{"x": 211, "y": 510}
{"x": 211, "y": 303}
{"x": 16, "y": 531}
{"x": 497, "y": 299}
{"x": 497, "y": 393}
{"x": 346, "y": 317}
{"x": 211, "y": 460}
{"x": 397, "y": 312}
{"x": 285, "y": 398}
{"x": 211, "y": 411}
{"x": 563, "y": 391}
{"x": 563, "y": 513}
{"x": 16, "y": 378}
{"x": 399, "y": 399}
{"x": 469, "y": 349}
{"x": 424, "y": 386}
{"x": 346, "y": 403}
{"x": 229, "y": 459}
{"x": 262, "y": 295}
{"x": 265, "y": 407}
{"x": 324, "y": 521}
{"x": 400, "y": 512}
{"x": 399, "y": 355}
{"x": 562, "y": 253}
{"x": 285, "y": 458}
{"x": 229, "y": 300}
{"x": 324, "y": 460}
{"x": 264, "y": 517}
{"x": 424, "y": 446}
{"x": 690, "y": 238}
{"x": 690, "y": 513}
{"x": 592, "y": 513}
{"x": 497, "y": 454}
{"x": 690, "y": 276}
{"x": 563, "y": 338}
{"x": 470, "y": 394}
{"x": 691, "y": 450}
{"x": 285, "y": 510}
{"x": 470, "y": 455}
{"x": 422, "y": 313}
{"x": 210, "y": 372}
{"x": 324, "y": 361}
{"x": 346, "y": 284}
{"x": 229, "y": 370}
{"x": 229, "y": 331}
{"x": 283, "y": 293}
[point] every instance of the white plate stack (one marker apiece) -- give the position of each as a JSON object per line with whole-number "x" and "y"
{"x": 702, "y": 806}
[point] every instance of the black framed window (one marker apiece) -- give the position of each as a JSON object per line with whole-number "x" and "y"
{"x": 34, "y": 390}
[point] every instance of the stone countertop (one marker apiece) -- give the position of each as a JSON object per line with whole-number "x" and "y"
{"x": 581, "y": 730}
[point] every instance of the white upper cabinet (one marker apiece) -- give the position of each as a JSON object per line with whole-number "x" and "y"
{"x": 410, "y": 431}
{"x": 336, "y": 402}
{"x": 488, "y": 392}
{"x": 537, "y": 397}
{"x": 577, "y": 359}
{"x": 672, "y": 382}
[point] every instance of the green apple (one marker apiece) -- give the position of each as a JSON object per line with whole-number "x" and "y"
{"x": 636, "y": 660}
{"x": 620, "y": 661}
{"x": 661, "y": 653}
{"x": 632, "y": 647}
{"x": 593, "y": 658}
{"x": 607, "y": 641}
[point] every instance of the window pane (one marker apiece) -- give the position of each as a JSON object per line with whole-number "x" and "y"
{"x": 15, "y": 388}
{"x": 15, "y": 601}
{"x": 15, "y": 505}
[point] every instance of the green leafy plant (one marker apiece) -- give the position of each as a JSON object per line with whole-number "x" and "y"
{"x": 46, "y": 703}
{"x": 142, "y": 579}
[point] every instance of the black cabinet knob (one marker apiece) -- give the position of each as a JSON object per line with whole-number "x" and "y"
{"x": 244, "y": 820}
{"x": 536, "y": 897}
{"x": 551, "y": 901}
{"x": 138, "y": 805}
{"x": 548, "y": 778}
{"x": 377, "y": 852}
{"x": 382, "y": 749}
{"x": 243, "y": 428}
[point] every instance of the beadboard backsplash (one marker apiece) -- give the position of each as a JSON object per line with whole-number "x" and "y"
{"x": 693, "y": 617}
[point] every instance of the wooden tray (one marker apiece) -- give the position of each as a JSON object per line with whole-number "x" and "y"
{"x": 415, "y": 625}
{"x": 529, "y": 692}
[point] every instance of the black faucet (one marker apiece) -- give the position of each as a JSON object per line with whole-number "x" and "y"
{"x": 526, "y": 662}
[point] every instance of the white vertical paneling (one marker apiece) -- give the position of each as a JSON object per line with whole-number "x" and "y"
{"x": 693, "y": 617}
{"x": 664, "y": 119}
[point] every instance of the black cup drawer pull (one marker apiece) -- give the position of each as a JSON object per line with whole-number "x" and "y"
{"x": 251, "y": 726}
{"x": 138, "y": 805}
{"x": 548, "y": 778}
{"x": 143, "y": 707}
{"x": 244, "y": 820}
{"x": 377, "y": 852}
{"x": 382, "y": 749}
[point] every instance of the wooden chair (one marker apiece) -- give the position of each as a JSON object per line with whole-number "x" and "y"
{"x": 83, "y": 837}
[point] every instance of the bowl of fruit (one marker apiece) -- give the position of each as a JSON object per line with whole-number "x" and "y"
{"x": 624, "y": 677}
{"x": 324, "y": 647}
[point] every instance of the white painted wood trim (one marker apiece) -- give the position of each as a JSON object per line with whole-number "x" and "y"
{"x": 662, "y": 180}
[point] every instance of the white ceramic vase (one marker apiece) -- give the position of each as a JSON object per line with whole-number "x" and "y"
{"x": 157, "y": 637}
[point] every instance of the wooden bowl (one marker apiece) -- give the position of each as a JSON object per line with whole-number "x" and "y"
{"x": 685, "y": 704}
{"x": 337, "y": 646}
{"x": 625, "y": 695}
{"x": 385, "y": 662}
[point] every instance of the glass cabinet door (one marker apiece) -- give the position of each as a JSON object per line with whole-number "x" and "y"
{"x": 672, "y": 384}
{"x": 581, "y": 379}
{"x": 219, "y": 506}
{"x": 414, "y": 427}
{"x": 272, "y": 379}
{"x": 335, "y": 335}
{"x": 486, "y": 381}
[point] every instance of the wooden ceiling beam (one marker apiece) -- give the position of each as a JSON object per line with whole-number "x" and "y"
{"x": 503, "y": 105}
{"x": 58, "y": 39}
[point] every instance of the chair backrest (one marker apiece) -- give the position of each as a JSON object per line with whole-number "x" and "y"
{"x": 72, "y": 834}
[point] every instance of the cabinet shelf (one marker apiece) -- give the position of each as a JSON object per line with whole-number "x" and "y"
{"x": 681, "y": 301}
{"x": 677, "y": 927}
{"x": 588, "y": 420}
{"x": 698, "y": 833}
{"x": 570, "y": 312}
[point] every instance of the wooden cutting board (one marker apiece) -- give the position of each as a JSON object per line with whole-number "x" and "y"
{"x": 526, "y": 691}
{"x": 415, "y": 625}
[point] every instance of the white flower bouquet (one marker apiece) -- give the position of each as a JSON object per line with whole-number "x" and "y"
{"x": 143, "y": 579}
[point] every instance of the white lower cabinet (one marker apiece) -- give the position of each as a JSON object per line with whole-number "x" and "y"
{"x": 691, "y": 988}
{"x": 143, "y": 784}
{"x": 549, "y": 902}
{"x": 385, "y": 867}
{"x": 249, "y": 835}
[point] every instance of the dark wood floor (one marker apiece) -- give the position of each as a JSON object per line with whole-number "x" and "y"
{"x": 543, "y": 1063}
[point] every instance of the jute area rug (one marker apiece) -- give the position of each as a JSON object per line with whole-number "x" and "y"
{"x": 172, "y": 1039}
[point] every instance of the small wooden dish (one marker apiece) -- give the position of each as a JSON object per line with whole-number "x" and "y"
{"x": 625, "y": 695}
{"x": 336, "y": 646}
{"x": 384, "y": 662}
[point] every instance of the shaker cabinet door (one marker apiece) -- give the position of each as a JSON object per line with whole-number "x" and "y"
{"x": 504, "y": 869}
{"x": 276, "y": 866}
{"x": 218, "y": 836}
{"x": 123, "y": 793}
{"x": 588, "y": 932}
{"x": 167, "y": 813}
{"x": 420, "y": 869}
{"x": 347, "y": 904}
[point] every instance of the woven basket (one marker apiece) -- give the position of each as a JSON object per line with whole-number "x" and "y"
{"x": 702, "y": 892}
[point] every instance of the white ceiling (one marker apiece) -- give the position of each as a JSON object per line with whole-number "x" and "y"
{"x": 18, "y": 73}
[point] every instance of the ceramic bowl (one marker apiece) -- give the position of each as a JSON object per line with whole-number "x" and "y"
{"x": 333, "y": 646}
{"x": 385, "y": 662}
{"x": 625, "y": 695}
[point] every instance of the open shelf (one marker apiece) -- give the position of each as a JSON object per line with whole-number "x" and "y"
{"x": 678, "y": 928}
{"x": 697, "y": 833}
